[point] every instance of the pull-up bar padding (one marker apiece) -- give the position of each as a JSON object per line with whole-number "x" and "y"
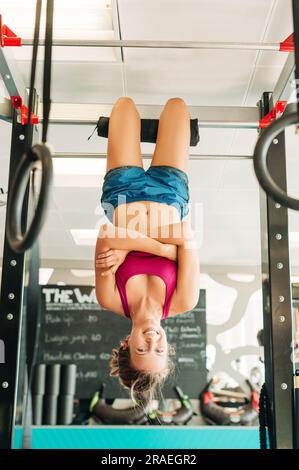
{"x": 149, "y": 130}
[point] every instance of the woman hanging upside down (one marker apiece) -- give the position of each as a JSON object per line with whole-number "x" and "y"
{"x": 146, "y": 260}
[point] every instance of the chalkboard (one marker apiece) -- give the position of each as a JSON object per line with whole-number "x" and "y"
{"x": 75, "y": 329}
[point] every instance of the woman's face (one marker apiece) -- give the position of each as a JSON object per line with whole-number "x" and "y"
{"x": 148, "y": 348}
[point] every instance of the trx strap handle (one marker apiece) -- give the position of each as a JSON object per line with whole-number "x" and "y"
{"x": 18, "y": 241}
{"x": 149, "y": 130}
{"x": 260, "y": 161}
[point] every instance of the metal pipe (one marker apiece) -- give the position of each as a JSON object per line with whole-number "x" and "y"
{"x": 148, "y": 44}
{"x": 228, "y": 117}
{"x": 208, "y": 116}
{"x": 202, "y": 123}
{"x": 119, "y": 52}
{"x": 147, "y": 155}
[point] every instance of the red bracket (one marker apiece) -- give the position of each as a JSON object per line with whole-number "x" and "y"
{"x": 255, "y": 400}
{"x": 17, "y": 103}
{"x": 288, "y": 44}
{"x": 276, "y": 112}
{"x": 7, "y": 36}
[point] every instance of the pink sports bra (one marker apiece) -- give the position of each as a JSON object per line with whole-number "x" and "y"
{"x": 138, "y": 262}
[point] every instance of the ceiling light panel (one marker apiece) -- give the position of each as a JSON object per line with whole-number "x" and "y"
{"x": 79, "y": 166}
{"x": 82, "y": 19}
{"x": 73, "y": 19}
{"x": 84, "y": 237}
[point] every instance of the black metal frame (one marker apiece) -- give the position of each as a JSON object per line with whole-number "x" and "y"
{"x": 11, "y": 301}
{"x": 276, "y": 295}
{"x": 295, "y": 5}
{"x": 278, "y": 338}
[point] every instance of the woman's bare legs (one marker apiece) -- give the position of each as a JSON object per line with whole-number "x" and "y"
{"x": 124, "y": 135}
{"x": 173, "y": 139}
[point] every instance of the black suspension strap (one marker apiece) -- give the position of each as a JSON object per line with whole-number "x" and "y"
{"x": 47, "y": 68}
{"x": 19, "y": 241}
{"x": 265, "y": 419}
{"x": 33, "y": 69}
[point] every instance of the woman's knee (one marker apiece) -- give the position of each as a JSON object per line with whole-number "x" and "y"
{"x": 126, "y": 105}
{"x": 176, "y": 101}
{"x": 125, "y": 101}
{"x": 177, "y": 106}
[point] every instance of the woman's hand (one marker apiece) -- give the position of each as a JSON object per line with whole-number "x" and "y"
{"x": 110, "y": 259}
{"x": 169, "y": 251}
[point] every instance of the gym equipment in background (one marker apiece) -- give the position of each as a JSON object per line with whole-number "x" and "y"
{"x": 38, "y": 389}
{"x": 271, "y": 137}
{"x": 102, "y": 413}
{"x": 53, "y": 393}
{"x": 66, "y": 393}
{"x": 228, "y": 407}
{"x": 266, "y": 138}
{"x": 179, "y": 417}
{"x": 17, "y": 239}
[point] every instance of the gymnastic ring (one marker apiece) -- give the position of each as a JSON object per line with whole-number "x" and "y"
{"x": 260, "y": 160}
{"x": 18, "y": 241}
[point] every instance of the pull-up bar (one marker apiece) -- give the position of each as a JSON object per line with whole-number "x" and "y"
{"x": 285, "y": 46}
{"x": 194, "y": 156}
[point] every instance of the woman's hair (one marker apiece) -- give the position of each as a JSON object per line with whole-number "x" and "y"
{"x": 143, "y": 385}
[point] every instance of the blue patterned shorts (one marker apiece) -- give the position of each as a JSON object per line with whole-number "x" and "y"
{"x": 161, "y": 183}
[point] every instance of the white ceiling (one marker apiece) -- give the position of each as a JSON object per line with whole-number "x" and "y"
{"x": 227, "y": 189}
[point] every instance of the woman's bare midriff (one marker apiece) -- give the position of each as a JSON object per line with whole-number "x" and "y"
{"x": 145, "y": 216}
